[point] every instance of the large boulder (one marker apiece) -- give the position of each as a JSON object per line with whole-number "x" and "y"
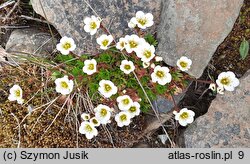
{"x": 227, "y": 123}
{"x": 67, "y": 17}
{"x": 195, "y": 28}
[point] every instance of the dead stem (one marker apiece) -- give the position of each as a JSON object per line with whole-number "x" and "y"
{"x": 19, "y": 130}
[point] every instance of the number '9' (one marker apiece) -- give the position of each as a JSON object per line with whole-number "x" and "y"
{"x": 241, "y": 154}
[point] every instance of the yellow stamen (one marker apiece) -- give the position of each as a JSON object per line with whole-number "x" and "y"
{"x": 64, "y": 85}
{"x": 225, "y": 81}
{"x": 103, "y": 112}
{"x": 132, "y": 109}
{"x": 133, "y": 44}
{"x": 107, "y": 87}
{"x": 67, "y": 46}
{"x": 142, "y": 21}
{"x": 91, "y": 67}
{"x": 123, "y": 117}
{"x": 125, "y": 101}
{"x": 184, "y": 115}
{"x": 88, "y": 128}
{"x": 183, "y": 64}
{"x": 105, "y": 42}
{"x": 147, "y": 54}
{"x": 18, "y": 93}
{"x": 93, "y": 25}
{"x": 127, "y": 67}
{"x": 160, "y": 74}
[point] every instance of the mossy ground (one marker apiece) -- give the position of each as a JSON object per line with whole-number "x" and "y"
{"x": 63, "y": 132}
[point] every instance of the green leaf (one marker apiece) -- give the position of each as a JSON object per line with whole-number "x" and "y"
{"x": 56, "y": 75}
{"x": 93, "y": 87}
{"x": 160, "y": 89}
{"x": 105, "y": 58}
{"x": 76, "y": 71}
{"x": 151, "y": 39}
{"x": 103, "y": 75}
{"x": 244, "y": 49}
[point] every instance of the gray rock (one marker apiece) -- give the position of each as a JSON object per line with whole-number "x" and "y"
{"x": 67, "y": 17}
{"x": 30, "y": 41}
{"x": 195, "y": 29}
{"x": 227, "y": 122}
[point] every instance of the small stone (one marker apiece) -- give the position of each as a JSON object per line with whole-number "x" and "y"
{"x": 163, "y": 138}
{"x": 30, "y": 41}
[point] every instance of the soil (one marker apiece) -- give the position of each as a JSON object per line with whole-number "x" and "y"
{"x": 63, "y": 134}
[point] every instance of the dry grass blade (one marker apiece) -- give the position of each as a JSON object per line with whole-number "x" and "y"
{"x": 19, "y": 130}
{"x": 5, "y": 4}
{"x": 12, "y": 10}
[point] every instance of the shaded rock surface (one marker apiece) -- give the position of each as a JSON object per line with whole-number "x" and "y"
{"x": 195, "y": 29}
{"x": 67, "y": 17}
{"x": 227, "y": 123}
{"x": 30, "y": 41}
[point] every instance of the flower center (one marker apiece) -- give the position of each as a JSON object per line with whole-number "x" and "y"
{"x": 183, "y": 64}
{"x": 93, "y": 25}
{"x": 103, "y": 112}
{"x": 67, "y": 46}
{"x": 91, "y": 66}
{"x": 127, "y": 67}
{"x": 122, "y": 44}
{"x": 95, "y": 121}
{"x": 133, "y": 44}
{"x": 132, "y": 109}
{"x": 18, "y": 93}
{"x": 142, "y": 21}
{"x": 225, "y": 81}
{"x": 86, "y": 117}
{"x": 184, "y": 115}
{"x": 88, "y": 128}
{"x": 125, "y": 101}
{"x": 105, "y": 42}
{"x": 160, "y": 74}
{"x": 107, "y": 87}
{"x": 123, "y": 117}
{"x": 147, "y": 54}
{"x": 64, "y": 85}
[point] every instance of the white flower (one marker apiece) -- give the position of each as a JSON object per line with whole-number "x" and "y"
{"x": 220, "y": 90}
{"x": 123, "y": 119}
{"x": 134, "y": 110}
{"x": 161, "y": 75}
{"x": 16, "y": 94}
{"x": 184, "y": 63}
{"x": 103, "y": 113}
{"x": 158, "y": 58}
{"x": 152, "y": 65}
{"x": 124, "y": 102}
{"x": 64, "y": 85}
{"x": 145, "y": 64}
{"x": 146, "y": 52}
{"x": 95, "y": 121}
{"x": 132, "y": 23}
{"x": 66, "y": 45}
{"x": 88, "y": 129}
{"x": 227, "y": 80}
{"x": 184, "y": 117}
{"x": 89, "y": 66}
{"x": 85, "y": 116}
{"x": 127, "y": 66}
{"x": 212, "y": 86}
{"x": 144, "y": 20}
{"x": 107, "y": 88}
{"x": 133, "y": 42}
{"x": 92, "y": 24}
{"x": 121, "y": 44}
{"x": 104, "y": 41}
